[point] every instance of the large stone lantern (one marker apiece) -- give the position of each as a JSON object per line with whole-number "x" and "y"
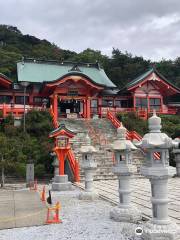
{"x": 55, "y": 164}
{"x": 89, "y": 165}
{"x": 177, "y": 160}
{"x": 123, "y": 158}
{"x": 156, "y": 145}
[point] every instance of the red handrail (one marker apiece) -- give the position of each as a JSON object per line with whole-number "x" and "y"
{"x": 55, "y": 123}
{"x": 130, "y": 135}
{"x": 74, "y": 165}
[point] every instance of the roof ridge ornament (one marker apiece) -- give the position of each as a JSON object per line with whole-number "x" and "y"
{"x": 75, "y": 68}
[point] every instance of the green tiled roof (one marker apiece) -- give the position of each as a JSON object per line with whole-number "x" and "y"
{"x": 139, "y": 78}
{"x": 144, "y": 75}
{"x": 40, "y": 71}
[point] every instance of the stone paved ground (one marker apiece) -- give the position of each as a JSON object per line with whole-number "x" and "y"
{"x": 82, "y": 220}
{"x": 141, "y": 195}
{"x": 20, "y": 208}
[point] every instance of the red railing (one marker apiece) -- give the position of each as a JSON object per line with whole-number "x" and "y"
{"x": 55, "y": 123}
{"x": 74, "y": 165}
{"x": 17, "y": 110}
{"x": 130, "y": 135}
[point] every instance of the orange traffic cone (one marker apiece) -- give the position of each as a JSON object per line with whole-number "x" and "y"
{"x": 55, "y": 218}
{"x": 43, "y": 195}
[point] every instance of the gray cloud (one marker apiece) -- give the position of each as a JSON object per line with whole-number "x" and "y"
{"x": 146, "y": 28}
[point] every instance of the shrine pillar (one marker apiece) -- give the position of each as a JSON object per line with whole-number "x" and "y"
{"x": 134, "y": 102}
{"x": 88, "y": 108}
{"x": 55, "y": 107}
{"x": 100, "y": 107}
{"x": 84, "y": 108}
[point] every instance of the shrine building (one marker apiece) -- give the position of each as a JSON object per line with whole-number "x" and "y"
{"x": 83, "y": 90}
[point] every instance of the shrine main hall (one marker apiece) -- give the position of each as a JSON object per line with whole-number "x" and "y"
{"x": 83, "y": 90}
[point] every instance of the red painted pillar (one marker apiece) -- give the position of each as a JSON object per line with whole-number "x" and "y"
{"x": 55, "y": 107}
{"x": 84, "y": 108}
{"x": 148, "y": 106}
{"x": 134, "y": 102}
{"x": 100, "y": 107}
{"x": 161, "y": 105}
{"x": 88, "y": 108}
{"x": 4, "y": 110}
{"x": 61, "y": 157}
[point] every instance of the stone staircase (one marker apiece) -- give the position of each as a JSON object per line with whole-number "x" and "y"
{"x": 102, "y": 134}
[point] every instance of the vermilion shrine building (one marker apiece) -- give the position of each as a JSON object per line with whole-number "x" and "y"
{"x": 83, "y": 90}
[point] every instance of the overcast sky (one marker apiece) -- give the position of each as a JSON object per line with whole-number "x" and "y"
{"x": 148, "y": 28}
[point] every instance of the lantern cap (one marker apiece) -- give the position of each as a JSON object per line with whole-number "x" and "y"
{"x": 87, "y": 147}
{"x": 154, "y": 123}
{"x": 121, "y": 143}
{"x": 121, "y": 132}
{"x": 155, "y": 138}
{"x": 62, "y": 131}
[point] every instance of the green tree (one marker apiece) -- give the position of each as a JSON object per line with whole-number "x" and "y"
{"x": 8, "y": 155}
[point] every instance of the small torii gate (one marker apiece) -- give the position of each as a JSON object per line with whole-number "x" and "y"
{"x": 63, "y": 150}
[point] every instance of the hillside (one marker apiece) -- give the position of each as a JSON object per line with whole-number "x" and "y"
{"x": 120, "y": 67}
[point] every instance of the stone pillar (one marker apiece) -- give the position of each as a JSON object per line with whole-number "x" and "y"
{"x": 122, "y": 148}
{"x": 29, "y": 174}
{"x": 89, "y": 165}
{"x": 124, "y": 191}
{"x": 177, "y": 160}
{"x": 56, "y": 166}
{"x": 156, "y": 169}
{"x": 159, "y": 200}
{"x": 89, "y": 193}
{"x": 89, "y": 179}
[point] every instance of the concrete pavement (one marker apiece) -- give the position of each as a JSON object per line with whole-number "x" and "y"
{"x": 141, "y": 193}
{"x": 21, "y": 208}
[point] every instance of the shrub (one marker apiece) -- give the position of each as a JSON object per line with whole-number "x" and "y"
{"x": 20, "y": 170}
{"x": 39, "y": 170}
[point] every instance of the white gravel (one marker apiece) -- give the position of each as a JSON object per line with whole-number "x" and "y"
{"x": 82, "y": 220}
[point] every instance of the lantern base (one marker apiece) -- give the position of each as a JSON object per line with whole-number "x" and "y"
{"x": 161, "y": 231}
{"x": 130, "y": 214}
{"x": 88, "y": 196}
{"x": 61, "y": 183}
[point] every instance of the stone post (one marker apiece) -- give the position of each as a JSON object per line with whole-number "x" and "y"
{"x": 55, "y": 164}
{"x": 122, "y": 148}
{"x": 29, "y": 174}
{"x": 177, "y": 160}
{"x": 156, "y": 169}
{"x": 89, "y": 165}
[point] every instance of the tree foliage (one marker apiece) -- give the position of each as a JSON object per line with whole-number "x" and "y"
{"x": 120, "y": 67}
{"x": 18, "y": 148}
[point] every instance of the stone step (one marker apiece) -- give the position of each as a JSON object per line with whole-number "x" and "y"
{"x": 101, "y": 128}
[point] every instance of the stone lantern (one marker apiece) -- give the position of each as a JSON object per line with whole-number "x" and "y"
{"x": 156, "y": 145}
{"x": 89, "y": 165}
{"x": 177, "y": 160}
{"x": 55, "y": 164}
{"x": 122, "y": 149}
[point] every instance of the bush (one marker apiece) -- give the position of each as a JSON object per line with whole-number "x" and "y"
{"x": 39, "y": 170}
{"x": 170, "y": 124}
{"x": 133, "y": 123}
{"x": 20, "y": 170}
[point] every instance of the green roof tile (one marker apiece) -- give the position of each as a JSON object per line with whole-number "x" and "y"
{"x": 139, "y": 78}
{"x": 39, "y": 72}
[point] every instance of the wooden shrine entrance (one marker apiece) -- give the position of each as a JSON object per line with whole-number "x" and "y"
{"x": 74, "y": 96}
{"x": 70, "y": 107}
